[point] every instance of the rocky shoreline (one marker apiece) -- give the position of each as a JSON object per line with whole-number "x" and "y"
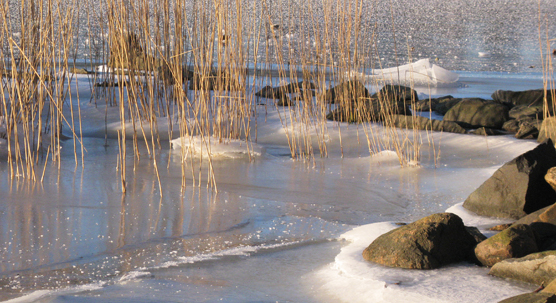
{"x": 523, "y": 189}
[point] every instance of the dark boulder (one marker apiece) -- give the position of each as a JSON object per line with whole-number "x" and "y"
{"x": 514, "y": 242}
{"x": 528, "y": 98}
{"x": 511, "y": 126}
{"x": 538, "y": 268}
{"x": 368, "y": 110}
{"x": 444, "y": 105}
{"x": 430, "y": 104}
{"x": 528, "y": 128}
{"x": 297, "y": 87}
{"x": 518, "y": 187}
{"x": 397, "y": 93}
{"x": 423, "y": 123}
{"x": 428, "y": 243}
{"x": 475, "y": 113}
{"x": 349, "y": 92}
{"x": 520, "y": 111}
{"x": 485, "y": 131}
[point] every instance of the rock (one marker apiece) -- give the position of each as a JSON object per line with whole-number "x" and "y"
{"x": 500, "y": 227}
{"x": 532, "y": 217}
{"x": 550, "y": 177}
{"x": 518, "y": 187}
{"x": 429, "y": 104}
{"x": 527, "y": 98}
{"x": 514, "y": 242}
{"x": 80, "y": 71}
{"x": 423, "y": 123}
{"x": 347, "y": 93}
{"x": 397, "y": 93}
{"x": 528, "y": 129}
{"x": 270, "y": 92}
{"x": 511, "y": 126}
{"x": 548, "y": 130}
{"x": 550, "y": 287}
{"x": 521, "y": 111}
{"x": 428, "y": 243}
{"x": 445, "y": 105}
{"x": 476, "y": 233}
{"x": 285, "y": 101}
{"x": 545, "y": 235}
{"x": 533, "y": 297}
{"x": 537, "y": 268}
{"x": 367, "y": 111}
{"x": 475, "y": 113}
{"x": 485, "y": 131}
{"x": 296, "y": 87}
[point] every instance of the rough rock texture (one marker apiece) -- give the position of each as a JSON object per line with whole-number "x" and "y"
{"x": 430, "y": 104}
{"x": 397, "y": 93}
{"x": 533, "y": 297}
{"x": 528, "y": 97}
{"x": 550, "y": 177}
{"x": 518, "y": 187}
{"x": 368, "y": 110}
{"x": 485, "y": 131}
{"x": 423, "y": 123}
{"x": 476, "y": 233}
{"x": 520, "y": 111}
{"x": 428, "y": 243}
{"x": 511, "y": 126}
{"x": 475, "y": 113}
{"x": 296, "y": 87}
{"x": 536, "y": 268}
{"x": 514, "y": 242}
{"x": 550, "y": 287}
{"x": 532, "y": 217}
{"x": 528, "y": 128}
{"x": 270, "y": 92}
{"x": 347, "y": 92}
{"x": 445, "y": 105}
{"x": 548, "y": 130}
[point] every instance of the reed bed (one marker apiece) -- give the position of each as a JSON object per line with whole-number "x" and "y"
{"x": 37, "y": 42}
{"x": 198, "y": 65}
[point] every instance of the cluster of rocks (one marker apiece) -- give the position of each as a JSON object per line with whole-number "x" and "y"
{"x": 519, "y": 113}
{"x": 523, "y": 189}
{"x": 301, "y": 89}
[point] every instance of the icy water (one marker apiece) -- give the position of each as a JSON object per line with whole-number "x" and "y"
{"x": 278, "y": 230}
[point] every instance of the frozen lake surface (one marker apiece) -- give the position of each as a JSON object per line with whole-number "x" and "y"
{"x": 278, "y": 230}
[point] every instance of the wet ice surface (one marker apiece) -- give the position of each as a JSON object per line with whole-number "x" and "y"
{"x": 278, "y": 229}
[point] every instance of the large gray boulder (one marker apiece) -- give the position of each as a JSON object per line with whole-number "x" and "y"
{"x": 518, "y": 187}
{"x": 538, "y": 268}
{"x": 428, "y": 243}
{"x": 475, "y": 113}
{"x": 514, "y": 242}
